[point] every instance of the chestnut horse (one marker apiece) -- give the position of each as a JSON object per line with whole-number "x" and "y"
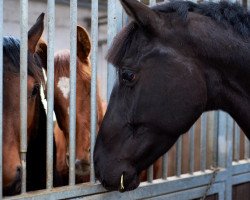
{"x": 174, "y": 61}
{"x": 83, "y": 81}
{"x": 36, "y": 116}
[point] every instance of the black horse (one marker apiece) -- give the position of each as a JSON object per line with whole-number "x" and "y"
{"x": 174, "y": 62}
{"x": 36, "y": 115}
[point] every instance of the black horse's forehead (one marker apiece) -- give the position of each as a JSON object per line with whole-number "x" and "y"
{"x": 129, "y": 45}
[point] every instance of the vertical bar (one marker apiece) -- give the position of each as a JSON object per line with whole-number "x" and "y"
{"x": 112, "y": 30}
{"x": 94, "y": 59}
{"x": 23, "y": 88}
{"x": 150, "y": 170}
{"x": 203, "y": 143}
{"x": 236, "y": 142}
{"x": 247, "y": 149}
{"x": 150, "y": 173}
{"x": 72, "y": 102}
{"x": 119, "y": 16}
{"x": 152, "y": 2}
{"x": 178, "y": 156}
{"x": 165, "y": 166}
{"x": 222, "y": 139}
{"x": 215, "y": 138}
{"x": 50, "y": 92}
{"x": 229, "y": 150}
{"x": 1, "y": 96}
{"x": 191, "y": 149}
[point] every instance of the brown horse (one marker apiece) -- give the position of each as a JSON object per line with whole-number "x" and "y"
{"x": 61, "y": 81}
{"x": 36, "y": 116}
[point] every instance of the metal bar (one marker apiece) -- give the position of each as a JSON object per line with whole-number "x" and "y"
{"x": 229, "y": 150}
{"x": 23, "y": 88}
{"x": 1, "y": 96}
{"x": 50, "y": 92}
{"x": 152, "y": 2}
{"x": 112, "y": 30}
{"x": 178, "y": 156}
{"x": 236, "y": 142}
{"x": 203, "y": 143}
{"x": 94, "y": 59}
{"x": 222, "y": 144}
{"x": 119, "y": 16}
{"x": 215, "y": 138}
{"x": 247, "y": 149}
{"x": 72, "y": 102}
{"x": 150, "y": 174}
{"x": 165, "y": 166}
{"x": 191, "y": 149}
{"x": 145, "y": 190}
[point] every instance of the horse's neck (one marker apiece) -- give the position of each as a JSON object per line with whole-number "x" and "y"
{"x": 228, "y": 79}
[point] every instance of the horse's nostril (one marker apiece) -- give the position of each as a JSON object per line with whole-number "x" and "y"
{"x": 77, "y": 163}
{"x": 19, "y": 171}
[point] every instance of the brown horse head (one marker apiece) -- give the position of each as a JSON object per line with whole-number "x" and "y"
{"x": 62, "y": 88}
{"x": 11, "y": 103}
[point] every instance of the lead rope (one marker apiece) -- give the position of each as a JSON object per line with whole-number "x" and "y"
{"x": 215, "y": 171}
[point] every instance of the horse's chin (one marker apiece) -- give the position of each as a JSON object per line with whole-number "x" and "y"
{"x": 13, "y": 189}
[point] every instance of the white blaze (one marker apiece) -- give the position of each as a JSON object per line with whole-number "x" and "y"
{"x": 63, "y": 85}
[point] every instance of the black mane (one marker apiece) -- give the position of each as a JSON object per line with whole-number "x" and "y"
{"x": 223, "y": 12}
{"x": 11, "y": 53}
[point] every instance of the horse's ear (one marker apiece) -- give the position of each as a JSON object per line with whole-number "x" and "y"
{"x": 35, "y": 33}
{"x": 83, "y": 43}
{"x": 41, "y": 51}
{"x": 140, "y": 13}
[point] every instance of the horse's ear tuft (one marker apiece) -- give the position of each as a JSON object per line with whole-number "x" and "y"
{"x": 83, "y": 44}
{"x": 35, "y": 33}
{"x": 140, "y": 13}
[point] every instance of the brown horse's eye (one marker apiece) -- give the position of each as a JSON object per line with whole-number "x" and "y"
{"x": 35, "y": 90}
{"x": 128, "y": 76}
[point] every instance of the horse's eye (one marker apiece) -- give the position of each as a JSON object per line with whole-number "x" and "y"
{"x": 35, "y": 90}
{"x": 128, "y": 76}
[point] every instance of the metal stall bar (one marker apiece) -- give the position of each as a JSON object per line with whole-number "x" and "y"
{"x": 215, "y": 138}
{"x": 94, "y": 59}
{"x": 112, "y": 30}
{"x": 191, "y": 149}
{"x": 224, "y": 149}
{"x": 1, "y": 96}
{"x": 72, "y": 98}
{"x": 165, "y": 166}
{"x": 178, "y": 156}
{"x": 50, "y": 91}
{"x": 23, "y": 88}
{"x": 247, "y": 149}
{"x": 150, "y": 170}
{"x": 229, "y": 150}
{"x": 203, "y": 143}
{"x": 152, "y": 2}
{"x": 236, "y": 142}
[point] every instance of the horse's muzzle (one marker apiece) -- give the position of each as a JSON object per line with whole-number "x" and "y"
{"x": 15, "y": 187}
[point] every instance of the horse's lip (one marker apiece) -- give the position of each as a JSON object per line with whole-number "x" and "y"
{"x": 127, "y": 187}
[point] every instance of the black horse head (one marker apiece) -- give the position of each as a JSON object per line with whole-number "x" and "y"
{"x": 174, "y": 62}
